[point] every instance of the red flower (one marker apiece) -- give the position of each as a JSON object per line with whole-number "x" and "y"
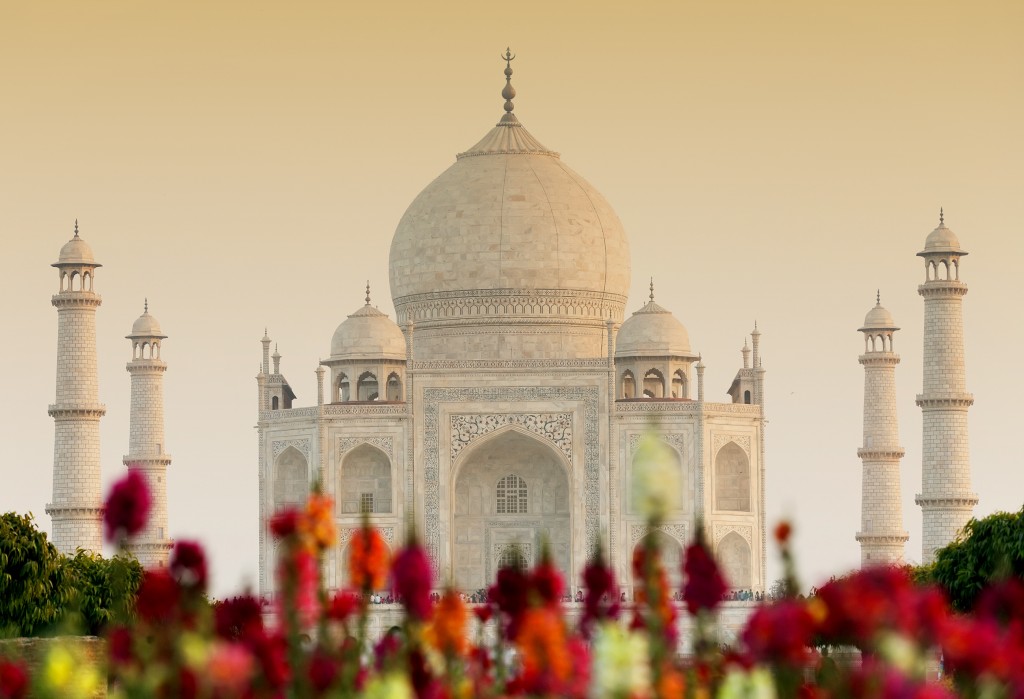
{"x": 783, "y": 530}
{"x": 600, "y": 601}
{"x": 158, "y": 596}
{"x": 238, "y": 618}
{"x": 509, "y": 594}
{"x": 297, "y": 579}
{"x": 413, "y": 578}
{"x": 342, "y": 605}
{"x": 13, "y": 680}
{"x": 188, "y": 565}
{"x": 127, "y": 507}
{"x": 546, "y": 582}
{"x": 483, "y": 613}
{"x": 705, "y": 585}
{"x": 780, "y": 632}
{"x": 285, "y": 523}
{"x": 322, "y": 671}
{"x": 119, "y": 642}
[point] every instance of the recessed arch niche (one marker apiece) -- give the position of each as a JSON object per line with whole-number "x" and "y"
{"x": 364, "y": 481}
{"x": 291, "y": 478}
{"x": 482, "y": 530}
{"x": 732, "y": 479}
{"x": 671, "y": 553}
{"x": 734, "y": 557}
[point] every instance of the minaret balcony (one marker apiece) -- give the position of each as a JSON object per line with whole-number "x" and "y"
{"x": 944, "y": 401}
{"x": 942, "y": 288}
{"x": 874, "y": 454}
{"x": 70, "y": 412}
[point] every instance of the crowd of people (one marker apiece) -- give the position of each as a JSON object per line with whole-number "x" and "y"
{"x": 480, "y": 596}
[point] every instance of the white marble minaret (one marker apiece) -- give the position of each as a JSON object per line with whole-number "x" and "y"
{"x": 146, "y": 452}
{"x": 946, "y": 499}
{"x": 77, "y": 507}
{"x": 881, "y": 536}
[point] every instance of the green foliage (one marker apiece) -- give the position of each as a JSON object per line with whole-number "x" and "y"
{"x": 923, "y": 574}
{"x": 102, "y": 589}
{"x": 988, "y": 549}
{"x": 33, "y": 578}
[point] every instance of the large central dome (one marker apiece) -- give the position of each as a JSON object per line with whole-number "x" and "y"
{"x": 509, "y": 253}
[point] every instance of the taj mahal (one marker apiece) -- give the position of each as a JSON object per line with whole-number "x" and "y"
{"x": 504, "y": 408}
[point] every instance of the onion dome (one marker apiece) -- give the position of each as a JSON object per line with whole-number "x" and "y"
{"x": 653, "y": 332}
{"x": 368, "y": 334}
{"x": 941, "y": 240}
{"x": 879, "y": 318}
{"x": 76, "y": 252}
{"x": 146, "y": 325}
{"x": 509, "y": 233}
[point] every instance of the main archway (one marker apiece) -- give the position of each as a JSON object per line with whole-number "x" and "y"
{"x": 511, "y": 491}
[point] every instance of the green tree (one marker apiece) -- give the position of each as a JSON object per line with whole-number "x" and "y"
{"x": 988, "y": 549}
{"x": 102, "y": 589}
{"x": 33, "y": 578}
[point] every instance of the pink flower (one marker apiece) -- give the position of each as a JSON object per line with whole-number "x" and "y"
{"x": 127, "y": 506}
{"x": 230, "y": 668}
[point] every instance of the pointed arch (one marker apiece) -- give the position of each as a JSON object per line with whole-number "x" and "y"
{"x": 367, "y": 388}
{"x": 365, "y": 482}
{"x": 291, "y": 478}
{"x": 628, "y": 384}
{"x": 394, "y": 387}
{"x": 732, "y": 479}
{"x": 735, "y": 559}
{"x": 654, "y": 384}
{"x": 670, "y": 552}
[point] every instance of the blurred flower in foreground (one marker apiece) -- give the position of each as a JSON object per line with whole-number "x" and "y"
{"x": 64, "y": 675}
{"x": 620, "y": 662}
{"x": 127, "y": 507}
{"x": 756, "y": 684}
{"x": 413, "y": 579}
{"x": 368, "y": 559}
{"x": 13, "y": 680}
{"x": 656, "y": 479}
{"x": 705, "y": 587}
{"x": 320, "y": 522}
{"x": 390, "y": 686}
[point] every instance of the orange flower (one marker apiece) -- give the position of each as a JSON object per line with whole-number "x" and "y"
{"x": 544, "y": 649}
{"x": 672, "y": 685}
{"x": 368, "y": 560}
{"x": 448, "y": 629}
{"x": 319, "y": 527}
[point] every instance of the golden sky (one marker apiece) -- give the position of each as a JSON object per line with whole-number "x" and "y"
{"x": 244, "y": 164}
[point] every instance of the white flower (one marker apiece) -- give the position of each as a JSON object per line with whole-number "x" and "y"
{"x": 657, "y": 484}
{"x": 756, "y": 684}
{"x": 620, "y": 663}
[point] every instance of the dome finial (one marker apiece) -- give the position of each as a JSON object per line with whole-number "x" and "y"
{"x": 652, "y": 289}
{"x": 509, "y": 92}
{"x": 367, "y": 292}
{"x": 942, "y": 217}
{"x": 145, "y": 305}
{"x": 76, "y": 227}
{"x": 878, "y": 297}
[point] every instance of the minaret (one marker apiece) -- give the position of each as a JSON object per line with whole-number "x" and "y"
{"x": 946, "y": 499}
{"x": 881, "y": 536}
{"x": 77, "y": 507}
{"x": 146, "y": 447}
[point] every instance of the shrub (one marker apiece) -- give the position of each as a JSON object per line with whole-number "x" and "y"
{"x": 33, "y": 578}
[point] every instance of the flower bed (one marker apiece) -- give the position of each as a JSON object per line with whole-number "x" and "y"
{"x": 524, "y": 641}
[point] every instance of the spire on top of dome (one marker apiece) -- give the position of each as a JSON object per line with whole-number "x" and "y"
{"x": 508, "y": 92}
{"x": 76, "y": 227}
{"x": 652, "y": 290}
{"x": 942, "y": 217}
{"x": 508, "y": 136}
{"x": 367, "y": 292}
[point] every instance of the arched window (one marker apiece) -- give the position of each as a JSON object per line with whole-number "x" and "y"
{"x": 628, "y": 385}
{"x": 732, "y": 479}
{"x": 394, "y": 387}
{"x": 654, "y": 384}
{"x": 273, "y": 403}
{"x": 511, "y": 495}
{"x": 367, "y": 387}
{"x": 746, "y": 397}
{"x": 344, "y": 394}
{"x": 679, "y": 384}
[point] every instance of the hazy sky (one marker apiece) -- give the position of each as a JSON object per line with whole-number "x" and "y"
{"x": 244, "y": 164}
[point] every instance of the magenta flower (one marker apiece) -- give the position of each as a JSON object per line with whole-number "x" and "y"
{"x": 127, "y": 506}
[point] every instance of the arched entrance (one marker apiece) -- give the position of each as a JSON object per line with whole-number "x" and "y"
{"x": 511, "y": 491}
